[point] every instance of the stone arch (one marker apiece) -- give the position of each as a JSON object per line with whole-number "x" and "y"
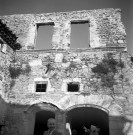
{"x": 34, "y": 112}
{"x": 86, "y": 115}
{"x": 87, "y": 105}
{"x": 41, "y": 106}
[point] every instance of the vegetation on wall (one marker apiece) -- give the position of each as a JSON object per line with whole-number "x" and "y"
{"x": 17, "y": 68}
{"x": 71, "y": 67}
{"x": 12, "y": 83}
{"x": 15, "y": 71}
{"x": 64, "y": 60}
{"x": 55, "y": 70}
{"x": 49, "y": 67}
{"x": 106, "y": 70}
{"x": 7, "y": 35}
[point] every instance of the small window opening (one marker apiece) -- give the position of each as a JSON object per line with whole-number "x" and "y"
{"x": 44, "y": 36}
{"x": 80, "y": 34}
{"x": 41, "y": 87}
{"x": 73, "y": 87}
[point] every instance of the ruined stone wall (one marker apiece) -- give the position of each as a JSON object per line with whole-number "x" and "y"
{"x": 6, "y": 56}
{"x": 106, "y": 28}
{"x": 58, "y": 69}
{"x": 62, "y": 67}
{"x": 104, "y": 75}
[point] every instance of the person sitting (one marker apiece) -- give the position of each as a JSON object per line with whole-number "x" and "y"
{"x": 51, "y": 128}
{"x": 86, "y": 131}
{"x": 94, "y": 130}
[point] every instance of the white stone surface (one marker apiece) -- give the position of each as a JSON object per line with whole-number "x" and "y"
{"x": 4, "y": 47}
{"x": 35, "y": 63}
{"x": 58, "y": 57}
{"x": 120, "y": 41}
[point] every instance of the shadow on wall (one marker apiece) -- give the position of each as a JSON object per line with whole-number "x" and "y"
{"x": 11, "y": 122}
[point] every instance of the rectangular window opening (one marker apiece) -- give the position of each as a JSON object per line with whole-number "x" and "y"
{"x": 80, "y": 34}
{"x": 41, "y": 87}
{"x": 73, "y": 87}
{"x": 44, "y": 36}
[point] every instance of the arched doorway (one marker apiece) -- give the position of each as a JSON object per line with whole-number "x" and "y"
{"x": 87, "y": 116}
{"x": 36, "y": 117}
{"x": 41, "y": 121}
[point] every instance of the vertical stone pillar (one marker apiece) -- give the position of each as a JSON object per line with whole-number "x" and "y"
{"x": 115, "y": 125}
{"x": 31, "y": 38}
{"x": 60, "y": 118}
{"x": 94, "y": 39}
{"x": 56, "y": 36}
{"x": 128, "y": 125}
{"x": 65, "y": 36}
{"x": 61, "y": 35}
{"x": 25, "y": 117}
{"x": 29, "y": 123}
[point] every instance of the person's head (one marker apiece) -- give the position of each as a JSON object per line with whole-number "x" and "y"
{"x": 93, "y": 128}
{"x": 51, "y": 123}
{"x": 74, "y": 132}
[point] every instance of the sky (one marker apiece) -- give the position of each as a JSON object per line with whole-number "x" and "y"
{"x": 9, "y": 7}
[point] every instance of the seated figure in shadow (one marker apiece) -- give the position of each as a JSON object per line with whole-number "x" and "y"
{"x": 51, "y": 128}
{"x": 92, "y": 131}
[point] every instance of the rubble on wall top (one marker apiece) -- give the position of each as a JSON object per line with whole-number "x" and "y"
{"x": 79, "y": 11}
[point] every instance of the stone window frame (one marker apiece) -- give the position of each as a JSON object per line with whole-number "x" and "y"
{"x": 82, "y": 22}
{"x": 42, "y": 80}
{"x": 71, "y": 80}
{"x": 75, "y": 83}
{"x": 36, "y": 30}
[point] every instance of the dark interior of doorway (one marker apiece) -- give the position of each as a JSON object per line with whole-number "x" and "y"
{"x": 87, "y": 116}
{"x": 41, "y": 121}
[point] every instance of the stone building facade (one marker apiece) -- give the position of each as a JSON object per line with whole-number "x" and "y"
{"x": 85, "y": 86}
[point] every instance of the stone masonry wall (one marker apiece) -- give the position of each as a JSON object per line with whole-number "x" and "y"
{"x": 6, "y": 55}
{"x": 106, "y": 28}
{"x": 103, "y": 71}
{"x": 62, "y": 67}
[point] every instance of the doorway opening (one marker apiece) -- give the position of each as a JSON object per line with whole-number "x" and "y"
{"x": 87, "y": 116}
{"x": 41, "y": 121}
